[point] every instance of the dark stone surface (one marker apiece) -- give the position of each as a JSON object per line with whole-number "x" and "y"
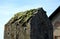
{"x": 41, "y": 27}
{"x": 32, "y": 25}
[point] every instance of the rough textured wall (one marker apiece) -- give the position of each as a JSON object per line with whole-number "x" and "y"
{"x": 56, "y": 24}
{"x": 31, "y": 24}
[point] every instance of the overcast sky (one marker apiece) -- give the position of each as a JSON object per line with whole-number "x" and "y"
{"x": 9, "y": 7}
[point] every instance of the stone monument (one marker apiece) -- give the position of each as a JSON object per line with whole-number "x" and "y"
{"x": 31, "y": 24}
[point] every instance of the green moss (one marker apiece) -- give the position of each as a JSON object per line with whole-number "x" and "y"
{"x": 22, "y": 17}
{"x": 20, "y": 24}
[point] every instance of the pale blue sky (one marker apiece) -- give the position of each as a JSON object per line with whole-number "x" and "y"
{"x": 9, "y": 7}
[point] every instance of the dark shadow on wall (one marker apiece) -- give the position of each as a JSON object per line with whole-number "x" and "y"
{"x": 41, "y": 27}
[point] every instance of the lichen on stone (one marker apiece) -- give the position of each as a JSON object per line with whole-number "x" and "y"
{"x": 30, "y": 24}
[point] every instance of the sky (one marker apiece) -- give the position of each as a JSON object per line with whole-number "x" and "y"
{"x": 10, "y": 7}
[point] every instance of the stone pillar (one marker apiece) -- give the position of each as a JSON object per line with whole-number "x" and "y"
{"x": 34, "y": 24}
